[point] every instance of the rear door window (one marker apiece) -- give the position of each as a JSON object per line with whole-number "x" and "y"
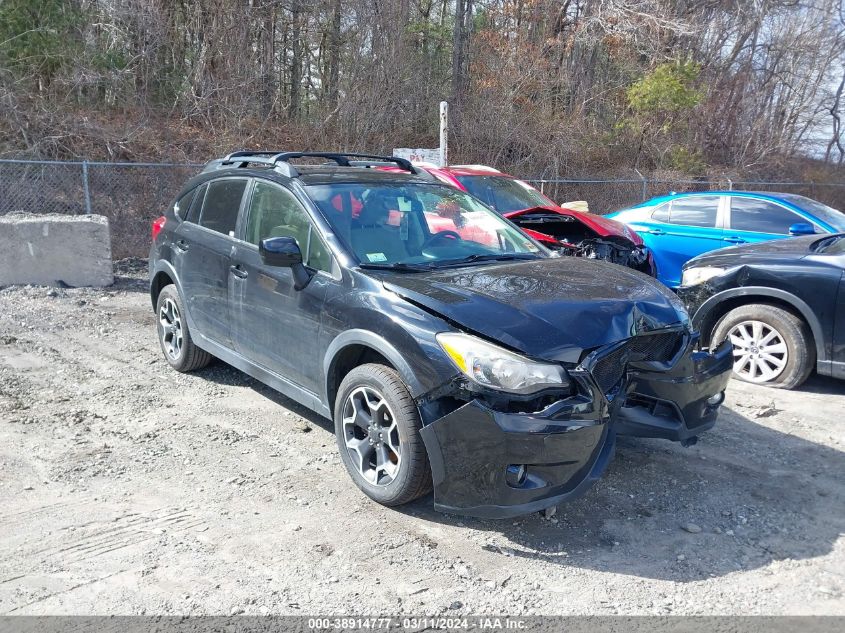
{"x": 221, "y": 205}
{"x": 699, "y": 211}
{"x": 761, "y": 216}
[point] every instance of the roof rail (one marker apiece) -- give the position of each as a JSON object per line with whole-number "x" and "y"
{"x": 281, "y": 160}
{"x": 263, "y": 157}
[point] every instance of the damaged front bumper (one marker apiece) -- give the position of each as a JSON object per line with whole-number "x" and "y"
{"x": 488, "y": 461}
{"x": 681, "y": 402}
{"x": 495, "y": 464}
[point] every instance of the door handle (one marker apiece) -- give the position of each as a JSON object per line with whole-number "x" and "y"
{"x": 238, "y": 272}
{"x": 735, "y": 240}
{"x": 182, "y": 245}
{"x": 656, "y": 232}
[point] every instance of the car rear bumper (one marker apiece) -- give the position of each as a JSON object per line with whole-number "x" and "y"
{"x": 681, "y": 403}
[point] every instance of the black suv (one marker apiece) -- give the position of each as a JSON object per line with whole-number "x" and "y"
{"x": 451, "y": 350}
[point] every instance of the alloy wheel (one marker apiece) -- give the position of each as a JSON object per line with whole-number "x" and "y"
{"x": 170, "y": 324}
{"x": 372, "y": 436}
{"x": 760, "y": 352}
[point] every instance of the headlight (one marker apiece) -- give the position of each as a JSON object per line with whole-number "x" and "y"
{"x": 695, "y": 276}
{"x": 491, "y": 366}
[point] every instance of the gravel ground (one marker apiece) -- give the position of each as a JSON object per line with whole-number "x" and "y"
{"x": 127, "y": 488}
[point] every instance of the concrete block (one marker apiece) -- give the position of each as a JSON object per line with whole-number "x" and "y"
{"x": 55, "y": 250}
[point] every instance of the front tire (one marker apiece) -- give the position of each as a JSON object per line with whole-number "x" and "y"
{"x": 772, "y": 347}
{"x": 179, "y": 349}
{"x": 377, "y": 427}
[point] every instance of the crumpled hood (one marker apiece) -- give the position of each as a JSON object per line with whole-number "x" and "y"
{"x": 550, "y": 308}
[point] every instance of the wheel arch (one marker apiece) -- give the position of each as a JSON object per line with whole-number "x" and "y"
{"x": 165, "y": 274}
{"x": 717, "y": 306}
{"x": 357, "y": 347}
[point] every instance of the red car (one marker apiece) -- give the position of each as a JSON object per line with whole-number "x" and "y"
{"x": 570, "y": 231}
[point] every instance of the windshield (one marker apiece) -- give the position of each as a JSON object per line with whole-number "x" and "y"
{"x": 827, "y": 214}
{"x": 504, "y": 194}
{"x": 833, "y": 245}
{"x": 418, "y": 225}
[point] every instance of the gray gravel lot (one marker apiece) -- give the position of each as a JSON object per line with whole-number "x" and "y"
{"x": 126, "y": 488}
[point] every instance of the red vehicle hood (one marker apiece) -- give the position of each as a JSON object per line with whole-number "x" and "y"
{"x": 603, "y": 226}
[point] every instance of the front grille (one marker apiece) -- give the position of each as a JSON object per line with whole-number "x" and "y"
{"x": 609, "y": 370}
{"x": 659, "y": 348}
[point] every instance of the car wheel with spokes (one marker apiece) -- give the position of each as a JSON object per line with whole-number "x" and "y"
{"x": 377, "y": 426}
{"x": 771, "y": 346}
{"x": 173, "y": 334}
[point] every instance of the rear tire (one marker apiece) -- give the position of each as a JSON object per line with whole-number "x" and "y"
{"x": 377, "y": 426}
{"x": 178, "y": 347}
{"x": 772, "y": 346}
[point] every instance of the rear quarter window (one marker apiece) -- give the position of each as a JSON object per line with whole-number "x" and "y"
{"x": 661, "y": 213}
{"x": 193, "y": 212}
{"x": 700, "y": 211}
{"x": 183, "y": 205}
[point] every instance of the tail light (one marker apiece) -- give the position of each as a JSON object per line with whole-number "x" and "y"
{"x": 158, "y": 225}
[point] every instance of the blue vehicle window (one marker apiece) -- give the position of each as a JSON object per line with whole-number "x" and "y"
{"x": 761, "y": 216}
{"x": 823, "y": 212}
{"x": 695, "y": 211}
{"x": 661, "y": 213}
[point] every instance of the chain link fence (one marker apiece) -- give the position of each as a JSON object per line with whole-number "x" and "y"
{"x": 132, "y": 195}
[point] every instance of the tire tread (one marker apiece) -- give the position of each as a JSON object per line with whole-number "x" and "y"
{"x": 193, "y": 358}
{"x": 799, "y": 339}
{"x": 420, "y": 482}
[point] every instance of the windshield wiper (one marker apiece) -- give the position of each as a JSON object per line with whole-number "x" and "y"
{"x": 478, "y": 257}
{"x": 398, "y": 266}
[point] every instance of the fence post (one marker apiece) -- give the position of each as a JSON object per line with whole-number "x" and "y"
{"x": 645, "y": 184}
{"x": 85, "y": 188}
{"x": 730, "y": 185}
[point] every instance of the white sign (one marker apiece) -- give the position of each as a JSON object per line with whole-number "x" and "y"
{"x": 418, "y": 155}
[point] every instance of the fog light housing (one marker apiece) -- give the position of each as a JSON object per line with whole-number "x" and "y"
{"x": 716, "y": 400}
{"x": 515, "y": 475}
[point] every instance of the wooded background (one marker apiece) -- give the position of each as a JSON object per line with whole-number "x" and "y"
{"x": 536, "y": 87}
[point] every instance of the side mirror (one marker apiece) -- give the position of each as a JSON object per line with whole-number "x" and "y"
{"x": 802, "y": 228}
{"x": 280, "y": 251}
{"x": 283, "y": 252}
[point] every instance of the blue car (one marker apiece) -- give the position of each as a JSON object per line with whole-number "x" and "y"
{"x": 680, "y": 226}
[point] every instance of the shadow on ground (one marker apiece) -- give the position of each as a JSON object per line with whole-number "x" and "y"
{"x": 824, "y": 385}
{"x": 757, "y": 494}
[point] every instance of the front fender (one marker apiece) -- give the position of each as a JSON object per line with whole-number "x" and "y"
{"x": 380, "y": 345}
